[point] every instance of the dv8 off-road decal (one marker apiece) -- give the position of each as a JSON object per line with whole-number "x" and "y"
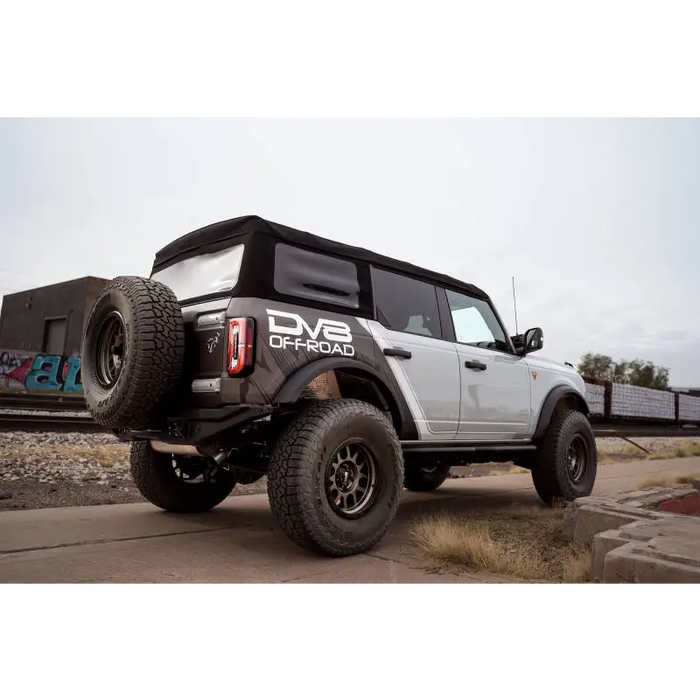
{"x": 290, "y": 331}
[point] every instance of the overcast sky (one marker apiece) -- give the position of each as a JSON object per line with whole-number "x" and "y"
{"x": 597, "y": 220}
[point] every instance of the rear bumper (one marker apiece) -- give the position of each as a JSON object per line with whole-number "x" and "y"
{"x": 199, "y": 425}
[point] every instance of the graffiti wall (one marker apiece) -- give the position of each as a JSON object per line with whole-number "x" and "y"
{"x": 18, "y": 371}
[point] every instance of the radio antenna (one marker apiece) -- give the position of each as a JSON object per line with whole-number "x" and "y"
{"x": 515, "y": 308}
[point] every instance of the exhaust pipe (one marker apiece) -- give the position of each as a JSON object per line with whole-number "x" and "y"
{"x": 189, "y": 450}
{"x": 169, "y": 448}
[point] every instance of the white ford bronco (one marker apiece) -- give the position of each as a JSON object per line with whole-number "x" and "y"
{"x": 341, "y": 375}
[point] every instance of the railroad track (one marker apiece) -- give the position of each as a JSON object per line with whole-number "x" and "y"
{"x": 33, "y": 423}
{"x": 650, "y": 431}
{"x": 42, "y": 402}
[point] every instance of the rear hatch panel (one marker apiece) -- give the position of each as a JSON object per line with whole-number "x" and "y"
{"x": 205, "y": 355}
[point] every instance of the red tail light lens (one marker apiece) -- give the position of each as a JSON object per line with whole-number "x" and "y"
{"x": 241, "y": 351}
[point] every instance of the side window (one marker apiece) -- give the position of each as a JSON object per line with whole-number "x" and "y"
{"x": 301, "y": 273}
{"x": 405, "y": 304}
{"x": 475, "y": 323}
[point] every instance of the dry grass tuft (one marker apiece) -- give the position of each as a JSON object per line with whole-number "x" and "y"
{"x": 608, "y": 454}
{"x": 577, "y": 565}
{"x": 654, "y": 483}
{"x": 668, "y": 482}
{"x": 518, "y": 470}
{"x": 524, "y": 542}
{"x": 445, "y": 538}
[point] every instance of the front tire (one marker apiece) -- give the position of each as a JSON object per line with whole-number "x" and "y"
{"x": 425, "y": 478}
{"x": 567, "y": 460}
{"x": 335, "y": 477}
{"x": 178, "y": 484}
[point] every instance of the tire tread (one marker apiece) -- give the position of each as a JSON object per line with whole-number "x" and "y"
{"x": 157, "y": 345}
{"x": 290, "y": 483}
{"x": 157, "y": 482}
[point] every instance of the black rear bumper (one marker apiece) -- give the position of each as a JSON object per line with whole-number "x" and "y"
{"x": 198, "y": 426}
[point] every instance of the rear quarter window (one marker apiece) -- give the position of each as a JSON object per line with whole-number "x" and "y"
{"x": 321, "y": 278}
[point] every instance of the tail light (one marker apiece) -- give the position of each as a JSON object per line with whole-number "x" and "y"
{"x": 241, "y": 334}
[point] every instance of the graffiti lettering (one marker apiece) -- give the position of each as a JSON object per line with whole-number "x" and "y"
{"x": 39, "y": 372}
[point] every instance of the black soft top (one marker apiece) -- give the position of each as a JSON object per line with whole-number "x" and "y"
{"x": 223, "y": 234}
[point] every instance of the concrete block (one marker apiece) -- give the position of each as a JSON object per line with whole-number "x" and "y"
{"x": 685, "y": 505}
{"x": 657, "y": 496}
{"x": 652, "y": 496}
{"x": 603, "y": 543}
{"x": 585, "y": 520}
{"x": 633, "y": 563}
{"x": 633, "y": 543}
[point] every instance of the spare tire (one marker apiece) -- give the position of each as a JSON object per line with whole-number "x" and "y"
{"x": 132, "y": 354}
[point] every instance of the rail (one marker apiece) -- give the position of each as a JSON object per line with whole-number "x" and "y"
{"x": 33, "y": 423}
{"x": 617, "y": 410}
{"x": 43, "y": 402}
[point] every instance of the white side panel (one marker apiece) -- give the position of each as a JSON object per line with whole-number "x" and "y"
{"x": 429, "y": 380}
{"x": 595, "y": 396}
{"x": 549, "y": 375}
{"x": 495, "y": 403}
{"x": 688, "y": 407}
{"x": 637, "y": 402}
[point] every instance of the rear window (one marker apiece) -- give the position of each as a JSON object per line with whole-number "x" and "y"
{"x": 203, "y": 275}
{"x": 321, "y": 278}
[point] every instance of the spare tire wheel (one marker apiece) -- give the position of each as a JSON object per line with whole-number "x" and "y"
{"x": 132, "y": 353}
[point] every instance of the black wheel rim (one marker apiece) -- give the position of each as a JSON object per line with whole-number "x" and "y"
{"x": 351, "y": 479}
{"x": 110, "y": 347}
{"x": 577, "y": 459}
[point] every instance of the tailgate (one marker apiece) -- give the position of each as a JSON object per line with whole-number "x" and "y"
{"x": 205, "y": 356}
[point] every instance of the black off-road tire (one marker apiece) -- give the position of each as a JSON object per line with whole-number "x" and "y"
{"x": 550, "y": 471}
{"x": 425, "y": 478}
{"x": 153, "y": 351}
{"x": 298, "y": 476}
{"x": 155, "y": 477}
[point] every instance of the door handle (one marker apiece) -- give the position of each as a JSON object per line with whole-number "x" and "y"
{"x": 398, "y": 352}
{"x": 469, "y": 364}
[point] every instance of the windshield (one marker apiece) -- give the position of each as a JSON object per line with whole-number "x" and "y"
{"x": 203, "y": 274}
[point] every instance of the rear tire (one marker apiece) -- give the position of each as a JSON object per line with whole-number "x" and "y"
{"x": 132, "y": 352}
{"x": 155, "y": 476}
{"x": 335, "y": 477}
{"x": 425, "y": 478}
{"x": 567, "y": 459}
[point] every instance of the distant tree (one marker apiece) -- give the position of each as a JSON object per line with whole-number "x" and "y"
{"x": 643, "y": 373}
{"x": 620, "y": 372}
{"x": 636, "y": 372}
{"x": 596, "y": 366}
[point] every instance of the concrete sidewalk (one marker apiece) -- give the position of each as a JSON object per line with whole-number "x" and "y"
{"x": 239, "y": 541}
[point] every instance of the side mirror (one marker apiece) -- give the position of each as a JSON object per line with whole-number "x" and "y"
{"x": 518, "y": 343}
{"x": 534, "y": 340}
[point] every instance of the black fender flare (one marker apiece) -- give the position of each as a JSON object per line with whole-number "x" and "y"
{"x": 291, "y": 391}
{"x": 552, "y": 399}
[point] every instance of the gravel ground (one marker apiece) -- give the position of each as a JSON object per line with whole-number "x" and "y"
{"x": 25, "y": 412}
{"x": 49, "y": 470}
